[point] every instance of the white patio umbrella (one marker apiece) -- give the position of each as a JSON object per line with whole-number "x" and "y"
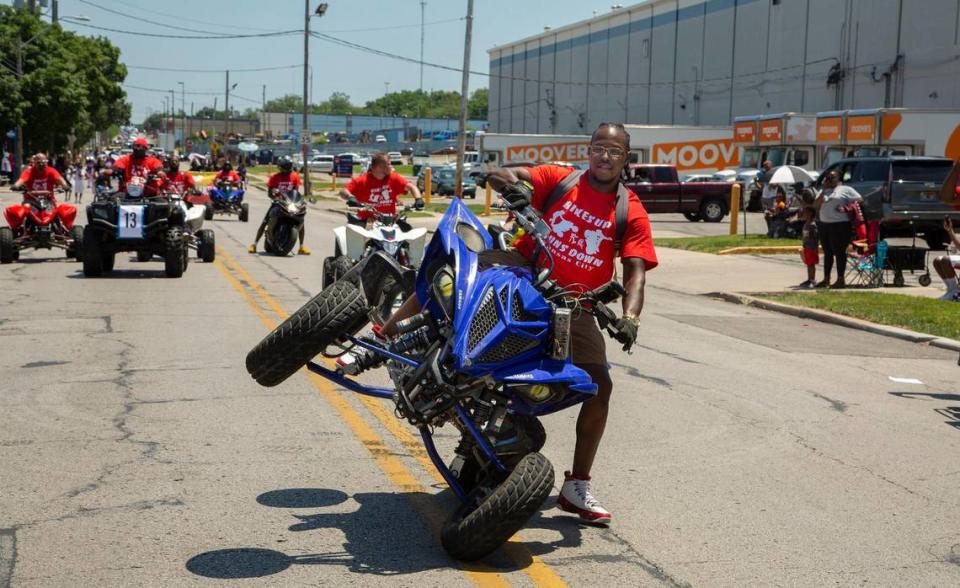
{"x": 788, "y": 174}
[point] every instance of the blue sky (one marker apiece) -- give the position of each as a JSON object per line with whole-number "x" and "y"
{"x": 336, "y": 68}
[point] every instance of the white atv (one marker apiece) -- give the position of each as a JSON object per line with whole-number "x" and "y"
{"x": 201, "y": 240}
{"x": 360, "y": 238}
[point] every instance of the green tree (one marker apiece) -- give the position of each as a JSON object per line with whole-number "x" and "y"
{"x": 337, "y": 103}
{"x": 288, "y": 103}
{"x": 70, "y": 85}
{"x": 477, "y": 104}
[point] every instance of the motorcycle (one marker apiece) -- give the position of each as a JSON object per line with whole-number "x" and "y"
{"x": 40, "y": 223}
{"x": 227, "y": 198}
{"x": 284, "y": 219}
{"x": 359, "y": 239}
{"x": 489, "y": 353}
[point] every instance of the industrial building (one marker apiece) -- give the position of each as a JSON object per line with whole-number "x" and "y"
{"x": 704, "y": 62}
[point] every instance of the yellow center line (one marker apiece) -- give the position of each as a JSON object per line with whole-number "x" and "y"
{"x": 533, "y": 566}
{"x": 395, "y": 470}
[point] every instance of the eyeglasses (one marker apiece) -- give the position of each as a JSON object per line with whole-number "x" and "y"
{"x": 613, "y": 152}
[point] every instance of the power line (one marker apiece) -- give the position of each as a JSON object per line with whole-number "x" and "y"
{"x": 191, "y": 93}
{"x": 395, "y": 27}
{"x": 137, "y": 18}
{"x": 162, "y": 36}
{"x": 180, "y": 70}
{"x": 192, "y": 19}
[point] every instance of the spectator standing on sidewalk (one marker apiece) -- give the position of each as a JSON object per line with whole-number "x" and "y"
{"x": 6, "y": 165}
{"x": 835, "y": 227}
{"x": 811, "y": 246}
{"x": 946, "y": 265}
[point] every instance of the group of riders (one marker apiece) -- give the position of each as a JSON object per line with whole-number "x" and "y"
{"x": 584, "y": 255}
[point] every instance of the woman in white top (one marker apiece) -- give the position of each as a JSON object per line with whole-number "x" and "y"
{"x": 78, "y": 178}
{"x": 834, "y": 225}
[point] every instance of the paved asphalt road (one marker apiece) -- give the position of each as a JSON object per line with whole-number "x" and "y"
{"x": 743, "y": 448}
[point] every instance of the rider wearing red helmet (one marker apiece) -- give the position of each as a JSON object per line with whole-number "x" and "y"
{"x": 138, "y": 164}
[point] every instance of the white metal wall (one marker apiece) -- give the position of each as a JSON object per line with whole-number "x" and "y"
{"x": 707, "y": 61}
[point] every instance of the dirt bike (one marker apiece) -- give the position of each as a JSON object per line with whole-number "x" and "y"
{"x": 40, "y": 223}
{"x": 489, "y": 353}
{"x": 138, "y": 218}
{"x": 360, "y": 238}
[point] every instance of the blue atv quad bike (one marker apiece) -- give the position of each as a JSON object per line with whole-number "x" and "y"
{"x": 227, "y": 198}
{"x": 489, "y": 353}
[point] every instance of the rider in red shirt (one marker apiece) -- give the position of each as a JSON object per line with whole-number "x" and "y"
{"x": 177, "y": 181}
{"x": 226, "y": 174}
{"x": 283, "y": 181}
{"x": 381, "y": 188}
{"x": 40, "y": 177}
{"x": 138, "y": 164}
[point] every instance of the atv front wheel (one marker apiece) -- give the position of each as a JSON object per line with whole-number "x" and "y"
{"x": 175, "y": 255}
{"x": 108, "y": 260}
{"x": 7, "y": 248}
{"x": 244, "y": 212}
{"x": 92, "y": 253}
{"x": 206, "y": 245}
{"x": 208, "y": 212}
{"x": 473, "y": 533}
{"x": 330, "y": 316}
{"x": 75, "y": 250}
{"x": 334, "y": 268}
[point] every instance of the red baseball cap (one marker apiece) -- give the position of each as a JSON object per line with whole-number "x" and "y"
{"x": 141, "y": 142}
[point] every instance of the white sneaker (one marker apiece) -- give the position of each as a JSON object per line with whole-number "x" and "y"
{"x": 575, "y": 497}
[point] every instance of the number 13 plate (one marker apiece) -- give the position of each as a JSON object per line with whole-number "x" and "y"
{"x": 130, "y": 222}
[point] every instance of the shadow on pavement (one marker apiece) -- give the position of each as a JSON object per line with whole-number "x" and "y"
{"x": 950, "y": 412}
{"x": 372, "y": 545}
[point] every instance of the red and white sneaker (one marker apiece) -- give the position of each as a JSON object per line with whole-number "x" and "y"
{"x": 575, "y": 497}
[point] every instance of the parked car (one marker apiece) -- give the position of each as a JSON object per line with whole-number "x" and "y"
{"x": 660, "y": 190}
{"x": 902, "y": 192}
{"x": 444, "y": 181}
{"x": 395, "y": 158}
{"x": 695, "y": 178}
{"x": 434, "y": 170}
{"x": 380, "y": 139}
{"x": 321, "y": 163}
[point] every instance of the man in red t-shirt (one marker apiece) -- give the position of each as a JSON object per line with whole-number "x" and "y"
{"x": 283, "y": 181}
{"x": 40, "y": 177}
{"x": 380, "y": 188}
{"x": 177, "y": 181}
{"x": 138, "y": 164}
{"x": 226, "y": 174}
{"x": 581, "y": 242}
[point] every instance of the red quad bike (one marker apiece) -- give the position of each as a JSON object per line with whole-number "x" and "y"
{"x": 39, "y": 222}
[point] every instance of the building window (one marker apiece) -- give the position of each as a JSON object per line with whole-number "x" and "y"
{"x": 645, "y": 48}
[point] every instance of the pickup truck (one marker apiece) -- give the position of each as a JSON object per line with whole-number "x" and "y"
{"x": 660, "y": 190}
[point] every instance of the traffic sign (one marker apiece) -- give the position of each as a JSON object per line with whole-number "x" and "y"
{"x": 306, "y": 137}
{"x": 214, "y": 148}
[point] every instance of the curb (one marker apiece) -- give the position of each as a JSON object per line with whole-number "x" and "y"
{"x": 772, "y": 249}
{"x": 840, "y": 320}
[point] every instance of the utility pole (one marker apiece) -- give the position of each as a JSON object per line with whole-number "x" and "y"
{"x": 423, "y": 9}
{"x": 226, "y": 108}
{"x": 55, "y": 11}
{"x": 183, "y": 116}
{"x": 464, "y": 88}
{"x": 173, "y": 120}
{"x": 263, "y": 111}
{"x": 305, "y": 129}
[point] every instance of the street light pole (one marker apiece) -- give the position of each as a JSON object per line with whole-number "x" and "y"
{"x": 173, "y": 119}
{"x": 183, "y": 116}
{"x": 464, "y": 88}
{"x": 305, "y": 135}
{"x": 19, "y": 127}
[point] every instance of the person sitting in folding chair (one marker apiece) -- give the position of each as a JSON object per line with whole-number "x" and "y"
{"x": 947, "y": 265}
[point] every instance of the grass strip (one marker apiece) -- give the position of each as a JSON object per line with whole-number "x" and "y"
{"x": 715, "y": 243}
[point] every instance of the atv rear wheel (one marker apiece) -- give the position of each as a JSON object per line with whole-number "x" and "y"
{"x": 206, "y": 245}
{"x": 472, "y": 533}
{"x": 7, "y": 248}
{"x": 175, "y": 254}
{"x": 144, "y": 256}
{"x": 244, "y": 212}
{"x": 330, "y": 316}
{"x": 92, "y": 253}
{"x": 208, "y": 212}
{"x": 75, "y": 250}
{"x": 334, "y": 268}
